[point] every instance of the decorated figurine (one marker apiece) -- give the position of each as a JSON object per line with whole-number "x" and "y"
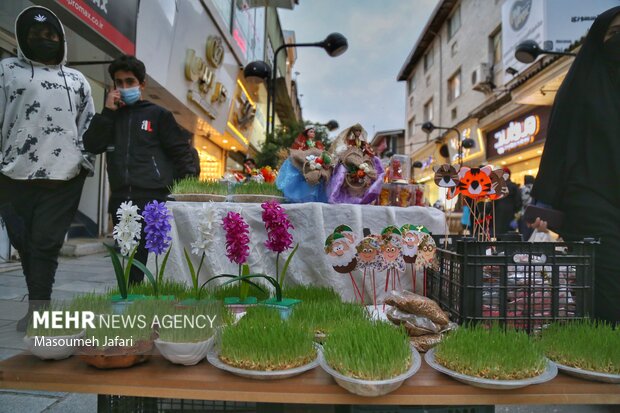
{"x": 303, "y": 176}
{"x": 358, "y": 174}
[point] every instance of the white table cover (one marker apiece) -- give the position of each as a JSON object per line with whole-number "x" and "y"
{"x": 312, "y": 222}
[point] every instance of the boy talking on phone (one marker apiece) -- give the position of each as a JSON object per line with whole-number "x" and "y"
{"x": 145, "y": 147}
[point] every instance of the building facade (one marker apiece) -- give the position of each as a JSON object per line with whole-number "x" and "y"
{"x": 194, "y": 52}
{"x": 462, "y": 76}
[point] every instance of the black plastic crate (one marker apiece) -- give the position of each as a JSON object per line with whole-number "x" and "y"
{"x": 521, "y": 284}
{"x": 421, "y": 409}
{"x": 128, "y": 404}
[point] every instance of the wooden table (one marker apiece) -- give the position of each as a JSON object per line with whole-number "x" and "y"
{"x": 159, "y": 378}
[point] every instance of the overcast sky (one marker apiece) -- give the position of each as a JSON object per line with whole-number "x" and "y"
{"x": 360, "y": 85}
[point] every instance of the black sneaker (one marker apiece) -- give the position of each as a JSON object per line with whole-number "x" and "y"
{"x": 22, "y": 324}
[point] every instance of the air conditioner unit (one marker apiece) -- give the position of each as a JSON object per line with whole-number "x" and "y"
{"x": 481, "y": 78}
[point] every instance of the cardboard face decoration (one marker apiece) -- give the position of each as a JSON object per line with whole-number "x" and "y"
{"x": 426, "y": 252}
{"x": 411, "y": 240}
{"x": 499, "y": 189}
{"x": 369, "y": 253}
{"x": 446, "y": 176}
{"x": 340, "y": 254}
{"x": 475, "y": 182}
{"x": 391, "y": 249}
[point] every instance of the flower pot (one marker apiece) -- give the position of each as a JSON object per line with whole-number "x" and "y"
{"x": 284, "y": 307}
{"x": 373, "y": 388}
{"x": 64, "y": 346}
{"x": 192, "y": 302}
{"x": 116, "y": 357}
{"x": 550, "y": 372}
{"x": 199, "y": 198}
{"x": 237, "y": 306}
{"x": 214, "y": 358}
{"x": 120, "y": 304}
{"x": 187, "y": 354}
{"x": 589, "y": 374}
{"x": 255, "y": 198}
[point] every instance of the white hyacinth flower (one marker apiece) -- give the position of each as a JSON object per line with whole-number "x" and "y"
{"x": 206, "y": 228}
{"x": 128, "y": 230}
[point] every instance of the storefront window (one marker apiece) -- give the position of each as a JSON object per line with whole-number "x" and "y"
{"x": 224, "y": 8}
{"x": 248, "y": 30}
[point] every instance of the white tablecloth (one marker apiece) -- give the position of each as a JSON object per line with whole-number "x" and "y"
{"x": 312, "y": 222}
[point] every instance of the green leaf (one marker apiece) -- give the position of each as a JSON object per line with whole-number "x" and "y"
{"x": 272, "y": 280}
{"x": 149, "y": 275}
{"x": 118, "y": 271}
{"x": 286, "y": 263}
{"x": 192, "y": 271}
{"x": 160, "y": 276}
{"x": 244, "y": 288}
{"x": 231, "y": 281}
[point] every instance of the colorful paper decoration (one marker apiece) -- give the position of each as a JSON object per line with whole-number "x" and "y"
{"x": 447, "y": 176}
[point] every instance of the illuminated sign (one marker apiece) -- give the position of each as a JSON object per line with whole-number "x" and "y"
{"x": 206, "y": 92}
{"x": 519, "y": 133}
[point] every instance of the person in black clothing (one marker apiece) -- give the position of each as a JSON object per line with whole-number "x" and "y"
{"x": 145, "y": 147}
{"x": 580, "y": 166}
{"x": 507, "y": 207}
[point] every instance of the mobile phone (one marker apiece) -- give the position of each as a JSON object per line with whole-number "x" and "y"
{"x": 553, "y": 217}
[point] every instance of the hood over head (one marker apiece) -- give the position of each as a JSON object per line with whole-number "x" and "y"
{"x": 38, "y": 15}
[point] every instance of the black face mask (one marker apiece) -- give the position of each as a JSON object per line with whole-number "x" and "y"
{"x": 43, "y": 50}
{"x": 611, "y": 48}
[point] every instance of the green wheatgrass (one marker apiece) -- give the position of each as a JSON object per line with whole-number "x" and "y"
{"x": 137, "y": 327}
{"x": 491, "y": 353}
{"x": 168, "y": 287}
{"x": 368, "y": 350}
{"x": 48, "y": 330}
{"x": 262, "y": 341}
{"x": 308, "y": 293}
{"x": 583, "y": 344}
{"x": 324, "y": 317}
{"x": 232, "y": 290}
{"x": 95, "y": 302}
{"x": 196, "y": 186}
{"x": 200, "y": 315}
{"x": 256, "y": 188}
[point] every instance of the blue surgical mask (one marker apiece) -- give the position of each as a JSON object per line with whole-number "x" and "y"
{"x": 130, "y": 95}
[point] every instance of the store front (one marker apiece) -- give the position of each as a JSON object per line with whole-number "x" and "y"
{"x": 472, "y": 156}
{"x": 429, "y": 156}
{"x": 518, "y": 143}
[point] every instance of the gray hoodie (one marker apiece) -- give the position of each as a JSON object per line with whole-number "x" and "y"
{"x": 44, "y": 110}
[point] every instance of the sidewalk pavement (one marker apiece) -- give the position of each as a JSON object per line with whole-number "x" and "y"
{"x": 75, "y": 275}
{"x": 90, "y": 273}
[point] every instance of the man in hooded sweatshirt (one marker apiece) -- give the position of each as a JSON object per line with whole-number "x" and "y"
{"x": 45, "y": 108}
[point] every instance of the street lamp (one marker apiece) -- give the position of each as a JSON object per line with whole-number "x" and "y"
{"x": 466, "y": 143}
{"x": 528, "y": 50}
{"x": 334, "y": 45}
{"x": 331, "y": 125}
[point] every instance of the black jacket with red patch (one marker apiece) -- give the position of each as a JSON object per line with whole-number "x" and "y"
{"x": 145, "y": 147}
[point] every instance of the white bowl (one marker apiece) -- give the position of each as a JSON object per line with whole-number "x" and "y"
{"x": 550, "y": 372}
{"x": 589, "y": 374}
{"x": 187, "y": 354}
{"x": 214, "y": 358}
{"x": 373, "y": 388}
{"x": 55, "y": 352}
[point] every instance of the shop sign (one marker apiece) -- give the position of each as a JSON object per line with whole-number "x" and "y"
{"x": 206, "y": 91}
{"x": 113, "y": 20}
{"x": 518, "y": 134}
